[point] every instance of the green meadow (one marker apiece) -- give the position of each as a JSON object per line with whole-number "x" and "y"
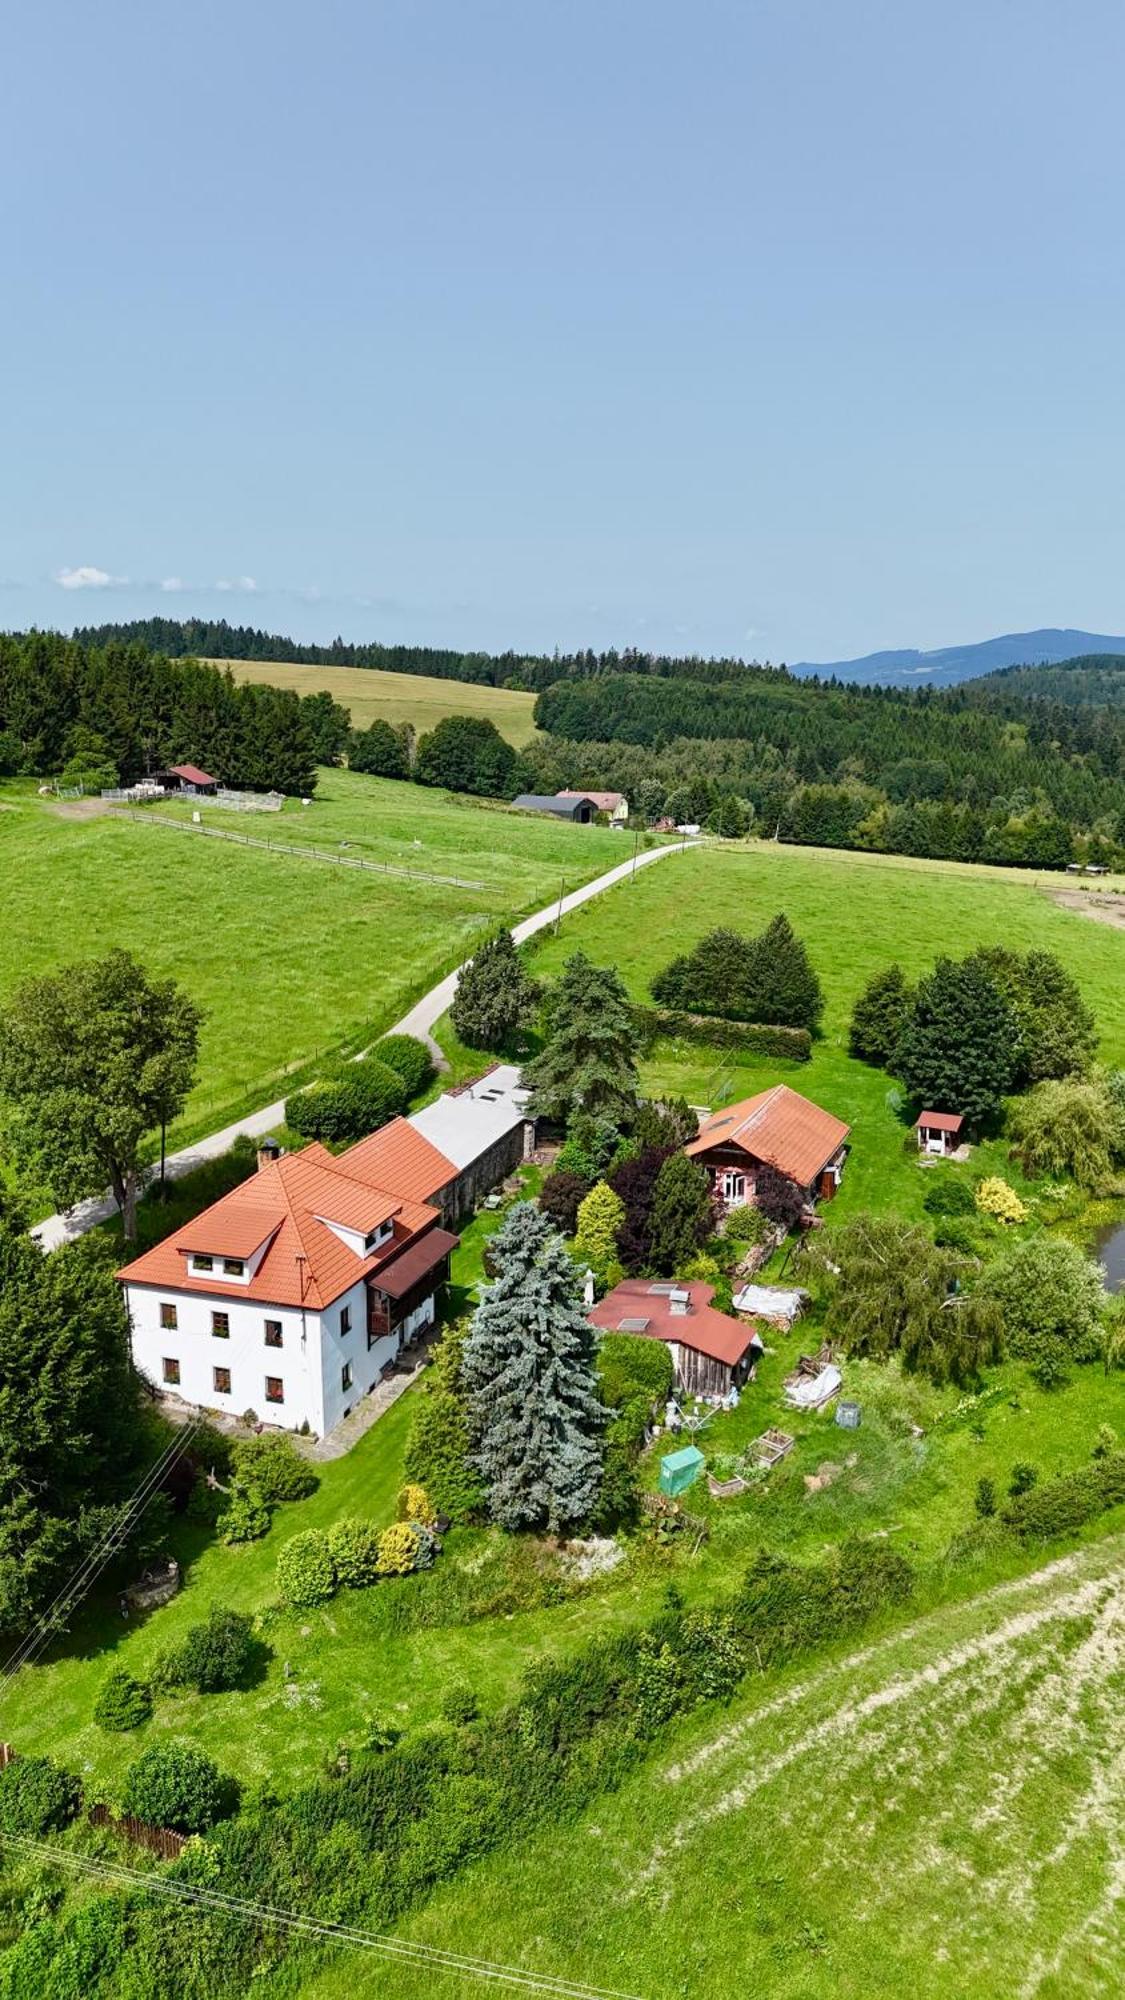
{"x": 288, "y": 958}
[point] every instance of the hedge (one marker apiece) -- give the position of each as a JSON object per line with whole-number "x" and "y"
{"x": 756, "y": 1038}
{"x": 409, "y": 1058}
{"x": 273, "y": 1466}
{"x": 1060, "y": 1505}
{"x": 353, "y": 1101}
{"x": 631, "y": 1364}
{"x": 36, "y": 1797}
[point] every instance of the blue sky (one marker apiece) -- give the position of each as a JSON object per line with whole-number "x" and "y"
{"x": 790, "y": 328}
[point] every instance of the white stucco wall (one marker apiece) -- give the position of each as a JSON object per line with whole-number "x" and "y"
{"x": 199, "y": 1351}
{"x": 310, "y": 1361}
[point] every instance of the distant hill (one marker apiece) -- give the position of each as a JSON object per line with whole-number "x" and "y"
{"x": 951, "y": 664}
{"x": 1093, "y": 680}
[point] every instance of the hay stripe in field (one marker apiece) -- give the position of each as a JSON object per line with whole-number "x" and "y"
{"x": 295, "y": 847}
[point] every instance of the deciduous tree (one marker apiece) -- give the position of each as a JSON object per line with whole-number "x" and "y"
{"x": 92, "y": 1059}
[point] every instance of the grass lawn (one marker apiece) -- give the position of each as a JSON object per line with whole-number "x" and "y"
{"x": 287, "y": 958}
{"x": 374, "y": 696}
{"x": 934, "y": 1811}
{"x": 856, "y": 914}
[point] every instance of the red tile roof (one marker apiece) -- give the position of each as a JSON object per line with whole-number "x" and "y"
{"x": 702, "y": 1328}
{"x": 779, "y": 1126}
{"x": 399, "y": 1157}
{"x": 305, "y": 1262}
{"x": 230, "y": 1232}
{"x": 940, "y": 1121}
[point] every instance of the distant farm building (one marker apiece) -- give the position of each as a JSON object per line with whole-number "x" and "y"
{"x": 576, "y": 806}
{"x": 777, "y": 1128}
{"x": 615, "y": 804}
{"x": 189, "y": 779}
{"x": 939, "y": 1132}
{"x": 711, "y": 1353}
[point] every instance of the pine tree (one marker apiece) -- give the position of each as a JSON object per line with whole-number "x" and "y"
{"x": 589, "y": 1061}
{"x": 494, "y": 996}
{"x": 783, "y": 987}
{"x": 681, "y": 1212}
{"x": 528, "y": 1371}
{"x": 960, "y": 1044}
{"x": 878, "y": 1016}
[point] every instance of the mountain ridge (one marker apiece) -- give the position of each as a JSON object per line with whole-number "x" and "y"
{"x": 947, "y": 666}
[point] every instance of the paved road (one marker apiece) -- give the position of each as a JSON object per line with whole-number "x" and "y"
{"x": 74, "y": 1222}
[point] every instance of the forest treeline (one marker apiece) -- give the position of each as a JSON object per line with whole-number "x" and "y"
{"x": 215, "y": 639}
{"x": 969, "y": 774}
{"x": 1091, "y": 680}
{"x": 100, "y": 714}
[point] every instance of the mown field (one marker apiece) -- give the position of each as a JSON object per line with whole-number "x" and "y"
{"x": 287, "y": 957}
{"x": 937, "y": 1811}
{"x": 372, "y": 695}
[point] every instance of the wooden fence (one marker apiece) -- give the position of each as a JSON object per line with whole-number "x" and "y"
{"x": 337, "y": 858}
{"x": 158, "y": 1839}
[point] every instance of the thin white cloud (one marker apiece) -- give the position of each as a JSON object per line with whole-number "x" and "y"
{"x": 243, "y": 583}
{"x": 87, "y": 577}
{"x": 171, "y": 583}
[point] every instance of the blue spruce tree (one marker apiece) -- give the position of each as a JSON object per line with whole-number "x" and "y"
{"x": 528, "y": 1371}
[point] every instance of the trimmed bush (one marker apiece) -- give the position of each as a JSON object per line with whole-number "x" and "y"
{"x": 755, "y": 1037}
{"x": 306, "y": 1574}
{"x": 994, "y": 1197}
{"x": 274, "y": 1467}
{"x": 175, "y": 1785}
{"x": 414, "y": 1505}
{"x": 123, "y": 1702}
{"x": 354, "y": 1549}
{"x": 214, "y": 1656}
{"x": 356, "y": 1099}
{"x": 36, "y": 1797}
{"x": 245, "y": 1517}
{"x": 409, "y": 1058}
{"x": 1060, "y": 1506}
{"x": 398, "y": 1549}
{"x": 947, "y": 1194}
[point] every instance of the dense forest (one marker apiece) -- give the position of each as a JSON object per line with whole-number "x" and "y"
{"x": 97, "y": 715}
{"x": 972, "y": 774}
{"x": 1092, "y": 680}
{"x": 182, "y": 638}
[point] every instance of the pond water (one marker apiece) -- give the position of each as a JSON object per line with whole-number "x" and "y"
{"x": 1109, "y": 1249}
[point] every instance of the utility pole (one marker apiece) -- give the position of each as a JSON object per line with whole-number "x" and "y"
{"x": 558, "y": 912}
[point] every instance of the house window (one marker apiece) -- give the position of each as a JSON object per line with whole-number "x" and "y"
{"x": 733, "y": 1185}
{"x": 220, "y": 1325}
{"x": 233, "y": 1267}
{"x": 273, "y": 1333}
{"x": 345, "y": 1319}
{"x": 275, "y": 1389}
{"x": 203, "y": 1263}
{"x": 346, "y": 1375}
{"x": 168, "y": 1318}
{"x": 221, "y": 1379}
{"x": 171, "y": 1369}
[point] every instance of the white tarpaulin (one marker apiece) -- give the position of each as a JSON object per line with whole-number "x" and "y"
{"x": 813, "y": 1390}
{"x": 771, "y": 1302}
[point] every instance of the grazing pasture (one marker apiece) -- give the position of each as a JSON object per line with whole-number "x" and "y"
{"x": 288, "y": 958}
{"x": 374, "y": 696}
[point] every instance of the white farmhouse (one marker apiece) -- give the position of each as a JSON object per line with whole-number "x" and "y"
{"x": 291, "y": 1295}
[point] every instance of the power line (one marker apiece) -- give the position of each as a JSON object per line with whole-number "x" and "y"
{"x": 379, "y": 1943}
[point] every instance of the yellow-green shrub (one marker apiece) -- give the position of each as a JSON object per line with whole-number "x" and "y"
{"x": 994, "y": 1197}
